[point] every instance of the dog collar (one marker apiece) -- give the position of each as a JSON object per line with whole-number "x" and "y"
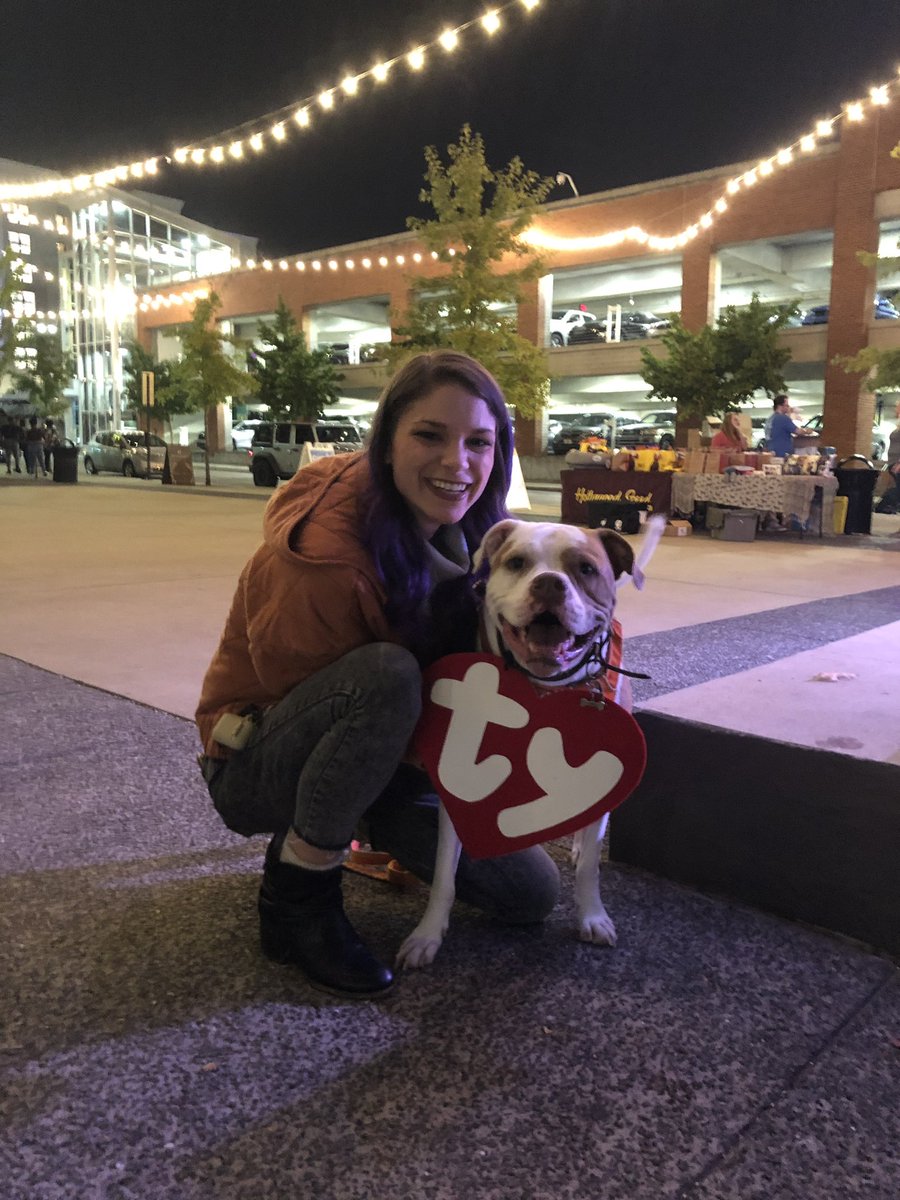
{"x": 596, "y": 653}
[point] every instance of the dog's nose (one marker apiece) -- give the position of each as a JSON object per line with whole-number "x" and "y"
{"x": 548, "y": 589}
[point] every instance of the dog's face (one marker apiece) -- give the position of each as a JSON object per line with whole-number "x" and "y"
{"x": 551, "y": 591}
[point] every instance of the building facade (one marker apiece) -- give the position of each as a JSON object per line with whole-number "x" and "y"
{"x": 692, "y": 244}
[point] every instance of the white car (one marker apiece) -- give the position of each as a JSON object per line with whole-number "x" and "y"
{"x": 242, "y": 434}
{"x": 563, "y": 321}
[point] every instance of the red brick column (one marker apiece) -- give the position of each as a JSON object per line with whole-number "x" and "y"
{"x": 698, "y": 272}
{"x": 532, "y": 317}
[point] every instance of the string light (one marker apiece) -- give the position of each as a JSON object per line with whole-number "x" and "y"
{"x": 271, "y": 127}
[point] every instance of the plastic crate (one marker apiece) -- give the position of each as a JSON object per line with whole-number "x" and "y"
{"x": 737, "y": 527}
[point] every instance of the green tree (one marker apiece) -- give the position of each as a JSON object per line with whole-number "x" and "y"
{"x": 719, "y": 368}
{"x": 12, "y": 329}
{"x": 204, "y": 374}
{"x": 169, "y": 400}
{"x": 295, "y": 382}
{"x": 882, "y": 367}
{"x": 480, "y": 214}
{"x": 45, "y": 374}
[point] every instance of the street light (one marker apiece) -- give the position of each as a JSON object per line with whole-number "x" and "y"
{"x": 562, "y": 177}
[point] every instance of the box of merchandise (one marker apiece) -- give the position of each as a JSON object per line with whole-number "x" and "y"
{"x": 678, "y": 529}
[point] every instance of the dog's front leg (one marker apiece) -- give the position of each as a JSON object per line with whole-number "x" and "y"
{"x": 594, "y": 922}
{"x": 425, "y": 940}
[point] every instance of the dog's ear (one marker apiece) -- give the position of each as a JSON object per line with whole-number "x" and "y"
{"x": 492, "y": 541}
{"x": 620, "y": 555}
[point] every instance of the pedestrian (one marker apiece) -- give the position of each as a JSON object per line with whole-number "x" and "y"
{"x": 890, "y": 501}
{"x": 9, "y": 439}
{"x": 780, "y": 429}
{"x": 34, "y": 448}
{"x": 308, "y": 705}
{"x": 51, "y": 441}
{"x": 729, "y": 437}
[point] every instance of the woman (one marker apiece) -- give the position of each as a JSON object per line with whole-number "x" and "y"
{"x": 890, "y": 501}
{"x": 322, "y": 652}
{"x": 729, "y": 436}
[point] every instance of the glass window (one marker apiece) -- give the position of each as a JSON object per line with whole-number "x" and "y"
{"x": 19, "y": 242}
{"x": 282, "y": 433}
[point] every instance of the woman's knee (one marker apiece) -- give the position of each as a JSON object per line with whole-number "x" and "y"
{"x": 389, "y": 675}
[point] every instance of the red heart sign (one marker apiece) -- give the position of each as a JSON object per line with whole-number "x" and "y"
{"x": 515, "y": 765}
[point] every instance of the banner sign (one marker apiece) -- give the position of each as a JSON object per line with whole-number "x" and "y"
{"x": 516, "y": 765}
{"x": 179, "y": 465}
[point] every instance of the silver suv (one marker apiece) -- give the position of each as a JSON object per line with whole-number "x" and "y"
{"x": 277, "y": 447}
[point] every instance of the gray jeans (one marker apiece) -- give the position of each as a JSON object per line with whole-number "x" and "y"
{"x": 327, "y": 760}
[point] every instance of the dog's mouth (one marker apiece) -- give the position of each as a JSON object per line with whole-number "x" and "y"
{"x": 544, "y": 646}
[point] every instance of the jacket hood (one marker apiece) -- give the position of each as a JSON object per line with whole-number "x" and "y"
{"x": 316, "y": 499}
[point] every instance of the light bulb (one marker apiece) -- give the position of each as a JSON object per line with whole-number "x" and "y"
{"x": 491, "y": 21}
{"x": 449, "y": 39}
{"x": 416, "y": 59}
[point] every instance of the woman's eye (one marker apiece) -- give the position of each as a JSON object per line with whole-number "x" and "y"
{"x": 426, "y": 435}
{"x": 481, "y": 444}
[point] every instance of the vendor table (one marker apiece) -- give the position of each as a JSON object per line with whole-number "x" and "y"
{"x": 789, "y": 494}
{"x": 585, "y": 490}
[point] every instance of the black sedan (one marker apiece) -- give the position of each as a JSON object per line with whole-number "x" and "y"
{"x": 570, "y": 437}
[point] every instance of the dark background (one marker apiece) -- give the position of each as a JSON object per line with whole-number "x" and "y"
{"x": 613, "y": 92}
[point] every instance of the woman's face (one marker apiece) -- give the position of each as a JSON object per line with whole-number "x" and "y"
{"x": 442, "y": 454}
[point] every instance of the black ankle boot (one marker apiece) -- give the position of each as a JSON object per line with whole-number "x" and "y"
{"x": 302, "y": 921}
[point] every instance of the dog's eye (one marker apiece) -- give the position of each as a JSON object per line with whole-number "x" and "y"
{"x": 586, "y": 568}
{"x": 515, "y": 563}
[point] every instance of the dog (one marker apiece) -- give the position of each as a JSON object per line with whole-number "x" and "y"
{"x": 548, "y": 605}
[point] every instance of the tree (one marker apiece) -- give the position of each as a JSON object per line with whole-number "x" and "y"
{"x": 169, "y": 400}
{"x": 295, "y": 382}
{"x": 12, "y": 329}
{"x": 479, "y": 215}
{"x": 204, "y": 374}
{"x": 45, "y": 374}
{"x": 719, "y": 368}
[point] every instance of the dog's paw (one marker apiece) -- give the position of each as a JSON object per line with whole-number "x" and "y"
{"x": 597, "y": 928}
{"x": 418, "y": 950}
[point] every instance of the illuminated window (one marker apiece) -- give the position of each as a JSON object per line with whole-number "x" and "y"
{"x": 19, "y": 242}
{"x": 24, "y": 304}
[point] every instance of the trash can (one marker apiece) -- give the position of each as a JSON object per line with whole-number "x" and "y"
{"x": 856, "y": 478}
{"x": 65, "y": 462}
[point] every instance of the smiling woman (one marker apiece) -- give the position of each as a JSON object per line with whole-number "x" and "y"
{"x": 313, "y": 694}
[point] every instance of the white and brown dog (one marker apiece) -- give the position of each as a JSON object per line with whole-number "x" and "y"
{"x": 548, "y": 607}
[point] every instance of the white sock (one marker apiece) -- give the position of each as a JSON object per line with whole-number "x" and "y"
{"x": 288, "y": 855}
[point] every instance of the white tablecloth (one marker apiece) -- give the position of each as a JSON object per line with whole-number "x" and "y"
{"x": 788, "y": 494}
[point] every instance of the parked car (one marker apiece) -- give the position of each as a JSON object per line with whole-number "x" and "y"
{"x": 634, "y": 325}
{"x": 879, "y": 441}
{"x": 338, "y": 352}
{"x": 373, "y": 352}
{"x": 884, "y": 310}
{"x": 655, "y": 429}
{"x": 758, "y": 428}
{"x": 570, "y": 437}
{"x": 276, "y": 447}
{"x": 124, "y": 452}
{"x": 563, "y": 321}
{"x": 242, "y": 434}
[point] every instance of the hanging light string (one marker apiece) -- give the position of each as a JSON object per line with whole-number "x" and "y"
{"x": 764, "y": 169}
{"x": 243, "y": 143}
{"x": 823, "y": 130}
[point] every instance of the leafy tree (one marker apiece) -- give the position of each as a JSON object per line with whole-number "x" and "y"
{"x": 479, "y": 215}
{"x": 295, "y": 382}
{"x": 45, "y": 374}
{"x": 12, "y": 329}
{"x": 719, "y": 368}
{"x": 169, "y": 400}
{"x": 204, "y": 374}
{"x": 883, "y": 367}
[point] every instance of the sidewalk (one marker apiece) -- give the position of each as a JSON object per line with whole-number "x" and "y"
{"x": 150, "y": 1052}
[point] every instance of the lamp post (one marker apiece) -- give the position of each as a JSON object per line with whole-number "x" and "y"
{"x": 562, "y": 177}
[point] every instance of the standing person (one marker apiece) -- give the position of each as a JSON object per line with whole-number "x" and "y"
{"x": 322, "y": 654}
{"x": 890, "y": 501}
{"x": 729, "y": 437}
{"x": 9, "y": 436}
{"x": 51, "y": 441}
{"x": 34, "y": 448}
{"x": 780, "y": 429}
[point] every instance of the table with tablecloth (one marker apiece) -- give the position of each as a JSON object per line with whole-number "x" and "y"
{"x": 792, "y": 495}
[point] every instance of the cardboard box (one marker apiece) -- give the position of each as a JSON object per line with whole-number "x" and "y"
{"x": 678, "y": 529}
{"x": 713, "y": 463}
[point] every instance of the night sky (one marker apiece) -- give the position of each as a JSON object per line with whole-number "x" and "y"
{"x": 613, "y": 92}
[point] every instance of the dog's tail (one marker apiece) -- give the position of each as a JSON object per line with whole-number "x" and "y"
{"x": 653, "y": 531}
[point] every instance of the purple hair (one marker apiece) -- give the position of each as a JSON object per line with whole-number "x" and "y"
{"x": 390, "y": 531}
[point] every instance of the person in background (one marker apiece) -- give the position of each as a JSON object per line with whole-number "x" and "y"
{"x": 9, "y": 437}
{"x": 729, "y": 437}
{"x": 780, "y": 429}
{"x": 34, "y": 448}
{"x": 890, "y": 501}
{"x": 311, "y": 698}
{"x": 51, "y": 441}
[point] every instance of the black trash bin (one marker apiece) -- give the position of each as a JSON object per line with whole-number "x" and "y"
{"x": 65, "y": 463}
{"x": 857, "y": 483}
